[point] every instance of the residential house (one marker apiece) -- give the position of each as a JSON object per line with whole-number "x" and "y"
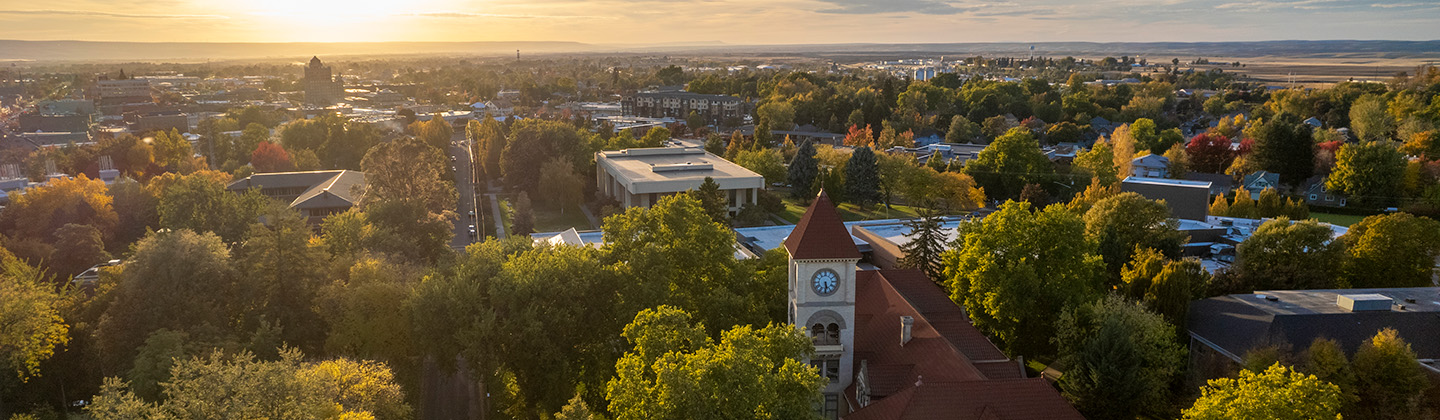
{"x": 1317, "y": 194}
{"x": 1150, "y": 166}
{"x": 1258, "y": 181}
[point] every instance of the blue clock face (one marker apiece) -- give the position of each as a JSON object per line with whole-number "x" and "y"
{"x": 825, "y": 281}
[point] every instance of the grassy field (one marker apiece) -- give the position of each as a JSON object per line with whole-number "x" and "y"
{"x": 1337, "y": 219}
{"x": 850, "y": 212}
{"x": 551, "y": 220}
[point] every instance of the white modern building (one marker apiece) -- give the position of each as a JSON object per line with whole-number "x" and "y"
{"x": 641, "y": 177}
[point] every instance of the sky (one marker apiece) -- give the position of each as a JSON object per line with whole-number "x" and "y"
{"x": 645, "y": 22}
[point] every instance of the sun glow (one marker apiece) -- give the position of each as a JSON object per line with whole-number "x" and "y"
{"x": 331, "y": 20}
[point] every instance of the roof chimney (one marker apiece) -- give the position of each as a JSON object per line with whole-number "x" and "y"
{"x": 906, "y": 323}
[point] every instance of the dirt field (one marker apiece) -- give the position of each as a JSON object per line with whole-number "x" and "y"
{"x": 1320, "y": 72}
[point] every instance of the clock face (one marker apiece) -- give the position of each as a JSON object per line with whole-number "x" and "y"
{"x": 825, "y": 281}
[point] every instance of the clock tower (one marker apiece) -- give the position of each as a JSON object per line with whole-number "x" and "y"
{"x": 822, "y": 293}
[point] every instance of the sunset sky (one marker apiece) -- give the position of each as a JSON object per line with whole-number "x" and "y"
{"x": 729, "y": 21}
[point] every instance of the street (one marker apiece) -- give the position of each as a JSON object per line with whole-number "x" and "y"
{"x": 466, "y": 229}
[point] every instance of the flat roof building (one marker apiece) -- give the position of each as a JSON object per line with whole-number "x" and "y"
{"x": 1232, "y": 325}
{"x": 640, "y": 177}
{"x": 1186, "y": 199}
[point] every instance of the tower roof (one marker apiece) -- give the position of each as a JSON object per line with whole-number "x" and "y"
{"x": 315, "y": 60}
{"x": 821, "y": 234}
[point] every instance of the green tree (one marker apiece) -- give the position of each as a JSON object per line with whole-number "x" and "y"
{"x": 522, "y": 217}
{"x": 487, "y": 138}
{"x": 1285, "y": 255}
{"x": 250, "y": 138}
{"x": 1171, "y": 290}
{"x": 220, "y": 386}
{"x": 713, "y": 201}
{"x": 715, "y": 144}
{"x": 961, "y": 130}
{"x": 1014, "y": 264}
{"x": 676, "y": 372}
{"x": 655, "y": 137}
{"x": 1284, "y": 145}
{"x": 1179, "y": 161}
{"x": 135, "y": 208}
{"x": 1369, "y": 173}
{"x": 1389, "y": 381}
{"x": 1063, "y": 132}
{"x": 32, "y": 327}
{"x": 926, "y": 244}
{"x": 1326, "y": 360}
{"x": 200, "y": 202}
{"x": 534, "y": 141}
{"x": 154, "y": 360}
{"x": 82, "y": 247}
{"x": 1010, "y": 162}
{"x": 1391, "y": 250}
{"x": 576, "y": 408}
{"x": 177, "y": 280}
{"x": 1369, "y": 119}
{"x": 712, "y": 285}
{"x": 862, "y": 177}
{"x": 435, "y": 132}
{"x": 803, "y": 171}
{"x": 409, "y": 169}
{"x": 1119, "y": 358}
{"x": 694, "y": 121}
{"x": 560, "y": 185}
{"x": 1278, "y": 393}
{"x": 282, "y": 269}
{"x": 1120, "y": 224}
{"x": 769, "y": 163}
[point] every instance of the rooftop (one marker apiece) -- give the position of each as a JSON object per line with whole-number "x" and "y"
{"x": 821, "y": 234}
{"x": 1167, "y": 181}
{"x": 1234, "y": 324}
{"x": 660, "y": 164}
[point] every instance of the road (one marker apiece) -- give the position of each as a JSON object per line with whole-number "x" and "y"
{"x": 465, "y": 210}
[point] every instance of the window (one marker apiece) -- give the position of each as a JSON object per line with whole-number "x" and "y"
{"x": 1313, "y": 197}
{"x": 1329, "y": 197}
{"x": 1342, "y": 201}
{"x": 828, "y": 366}
{"x": 832, "y": 333}
{"x": 832, "y": 407}
{"x": 817, "y": 331}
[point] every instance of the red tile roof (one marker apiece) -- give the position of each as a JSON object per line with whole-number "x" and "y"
{"x": 821, "y": 234}
{"x": 998, "y": 399}
{"x": 948, "y": 369}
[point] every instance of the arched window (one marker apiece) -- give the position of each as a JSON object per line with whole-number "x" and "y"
{"x": 817, "y": 332}
{"x": 832, "y": 334}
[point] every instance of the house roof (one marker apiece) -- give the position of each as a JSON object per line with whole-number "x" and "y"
{"x": 1006, "y": 399}
{"x": 821, "y": 234}
{"x": 948, "y": 369}
{"x": 324, "y": 189}
{"x": 1234, "y": 324}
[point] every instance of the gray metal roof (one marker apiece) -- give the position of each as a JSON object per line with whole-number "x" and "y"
{"x": 1234, "y": 324}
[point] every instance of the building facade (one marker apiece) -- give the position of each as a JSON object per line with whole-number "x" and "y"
{"x": 320, "y": 87}
{"x": 716, "y": 109}
{"x": 124, "y": 91}
{"x": 641, "y": 177}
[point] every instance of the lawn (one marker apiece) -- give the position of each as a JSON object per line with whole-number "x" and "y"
{"x": 850, "y": 212}
{"x": 550, "y": 220}
{"x": 1337, "y": 219}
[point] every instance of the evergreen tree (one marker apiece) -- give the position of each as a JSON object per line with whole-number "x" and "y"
{"x": 927, "y": 242}
{"x": 803, "y": 170}
{"x": 936, "y": 162}
{"x": 862, "y": 177}
{"x": 713, "y": 201}
{"x": 737, "y": 143}
{"x": 763, "y": 138}
{"x": 1284, "y": 146}
{"x": 715, "y": 144}
{"x": 522, "y": 221}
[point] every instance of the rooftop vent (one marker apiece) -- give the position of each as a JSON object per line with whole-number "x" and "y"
{"x": 906, "y": 323}
{"x": 1365, "y": 302}
{"x": 676, "y": 167}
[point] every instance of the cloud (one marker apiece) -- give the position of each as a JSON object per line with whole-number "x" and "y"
{"x": 866, "y": 7}
{"x": 468, "y": 15}
{"x": 108, "y": 14}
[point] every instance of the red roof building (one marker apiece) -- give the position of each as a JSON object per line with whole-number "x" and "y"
{"x": 906, "y": 350}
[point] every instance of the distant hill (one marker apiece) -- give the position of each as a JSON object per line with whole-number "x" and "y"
{"x": 107, "y": 51}
{"x": 181, "y": 51}
{"x": 1336, "y": 48}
